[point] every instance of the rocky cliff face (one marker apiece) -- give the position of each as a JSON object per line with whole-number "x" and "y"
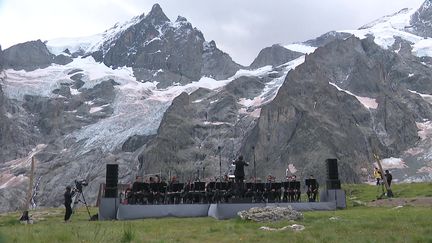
{"x": 327, "y": 38}
{"x": 274, "y": 56}
{"x": 160, "y": 50}
{"x": 421, "y": 21}
{"x": 30, "y": 56}
{"x": 311, "y": 120}
{"x": 1, "y": 59}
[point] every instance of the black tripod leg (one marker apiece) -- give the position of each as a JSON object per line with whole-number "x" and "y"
{"x": 85, "y": 203}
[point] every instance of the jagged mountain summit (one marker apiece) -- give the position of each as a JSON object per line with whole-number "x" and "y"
{"x": 154, "y": 96}
{"x": 156, "y": 49}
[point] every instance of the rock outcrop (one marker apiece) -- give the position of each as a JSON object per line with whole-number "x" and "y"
{"x": 274, "y": 56}
{"x": 327, "y": 38}
{"x": 421, "y": 21}
{"x": 30, "y": 56}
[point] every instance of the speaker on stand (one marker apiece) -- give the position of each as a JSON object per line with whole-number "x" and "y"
{"x": 334, "y": 191}
{"x": 333, "y": 181}
{"x": 111, "y": 187}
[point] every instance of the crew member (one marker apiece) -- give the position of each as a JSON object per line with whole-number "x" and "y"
{"x": 377, "y": 175}
{"x": 388, "y": 177}
{"x": 67, "y": 203}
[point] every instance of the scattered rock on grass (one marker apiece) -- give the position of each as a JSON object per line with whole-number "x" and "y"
{"x": 294, "y": 227}
{"x": 267, "y": 214}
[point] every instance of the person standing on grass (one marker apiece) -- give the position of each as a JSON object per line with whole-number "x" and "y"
{"x": 388, "y": 177}
{"x": 377, "y": 175}
{"x": 67, "y": 203}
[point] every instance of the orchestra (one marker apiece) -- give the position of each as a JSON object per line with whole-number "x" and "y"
{"x": 156, "y": 190}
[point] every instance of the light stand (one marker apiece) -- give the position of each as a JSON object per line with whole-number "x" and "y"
{"x": 220, "y": 163}
{"x": 254, "y": 163}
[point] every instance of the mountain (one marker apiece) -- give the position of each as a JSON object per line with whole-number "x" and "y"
{"x": 151, "y": 43}
{"x": 421, "y": 20}
{"x": 345, "y": 101}
{"x": 154, "y": 96}
{"x": 30, "y": 56}
{"x": 275, "y": 55}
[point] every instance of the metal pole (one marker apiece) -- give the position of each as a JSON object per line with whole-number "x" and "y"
{"x": 254, "y": 161}
{"x": 29, "y": 193}
{"x": 389, "y": 191}
{"x": 220, "y": 163}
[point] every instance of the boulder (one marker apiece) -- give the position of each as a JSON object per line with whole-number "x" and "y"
{"x": 270, "y": 214}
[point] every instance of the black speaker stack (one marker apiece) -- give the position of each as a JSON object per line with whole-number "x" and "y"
{"x": 333, "y": 181}
{"x": 111, "y": 180}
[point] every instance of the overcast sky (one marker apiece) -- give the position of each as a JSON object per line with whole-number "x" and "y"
{"x": 239, "y": 27}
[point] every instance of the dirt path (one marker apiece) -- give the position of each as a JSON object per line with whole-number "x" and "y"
{"x": 393, "y": 202}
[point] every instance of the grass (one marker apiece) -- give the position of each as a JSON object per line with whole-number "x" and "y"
{"x": 355, "y": 224}
{"x": 367, "y": 193}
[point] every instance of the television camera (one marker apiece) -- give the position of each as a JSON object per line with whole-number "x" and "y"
{"x": 78, "y": 195}
{"x": 79, "y": 185}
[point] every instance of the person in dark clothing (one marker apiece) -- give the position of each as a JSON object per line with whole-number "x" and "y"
{"x": 239, "y": 169}
{"x": 25, "y": 218}
{"x": 388, "y": 177}
{"x": 67, "y": 203}
{"x": 312, "y": 189}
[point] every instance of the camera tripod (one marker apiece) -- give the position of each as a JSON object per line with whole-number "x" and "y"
{"x": 79, "y": 197}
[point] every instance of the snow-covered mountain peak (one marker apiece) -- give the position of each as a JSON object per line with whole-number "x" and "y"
{"x": 398, "y": 20}
{"x": 400, "y": 25}
{"x": 88, "y": 44}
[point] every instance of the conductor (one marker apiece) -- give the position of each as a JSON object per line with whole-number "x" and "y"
{"x": 239, "y": 169}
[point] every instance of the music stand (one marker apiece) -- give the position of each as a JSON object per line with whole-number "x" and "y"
{"x": 211, "y": 186}
{"x": 199, "y": 186}
{"x": 276, "y": 186}
{"x": 310, "y": 183}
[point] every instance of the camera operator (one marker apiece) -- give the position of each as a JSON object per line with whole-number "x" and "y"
{"x": 67, "y": 203}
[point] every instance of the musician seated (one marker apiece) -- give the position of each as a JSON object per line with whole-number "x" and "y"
{"x": 312, "y": 188}
{"x": 173, "y": 191}
{"x": 136, "y": 195}
{"x": 270, "y": 193}
{"x": 296, "y": 189}
{"x": 186, "y": 192}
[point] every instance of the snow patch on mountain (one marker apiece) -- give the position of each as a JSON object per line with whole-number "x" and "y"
{"x": 8, "y": 177}
{"x": 253, "y": 106}
{"x": 423, "y": 48}
{"x": 367, "y": 102}
{"x": 393, "y": 163}
{"x": 90, "y": 43}
{"x": 298, "y": 47}
{"x": 426, "y": 97}
{"x": 41, "y": 82}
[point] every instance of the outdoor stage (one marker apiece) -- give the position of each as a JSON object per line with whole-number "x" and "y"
{"x": 110, "y": 208}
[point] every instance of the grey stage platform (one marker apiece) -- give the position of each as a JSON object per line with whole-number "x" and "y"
{"x": 111, "y": 209}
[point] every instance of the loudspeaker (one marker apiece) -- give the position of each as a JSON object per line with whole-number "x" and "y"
{"x": 333, "y": 184}
{"x": 332, "y": 169}
{"x": 111, "y": 180}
